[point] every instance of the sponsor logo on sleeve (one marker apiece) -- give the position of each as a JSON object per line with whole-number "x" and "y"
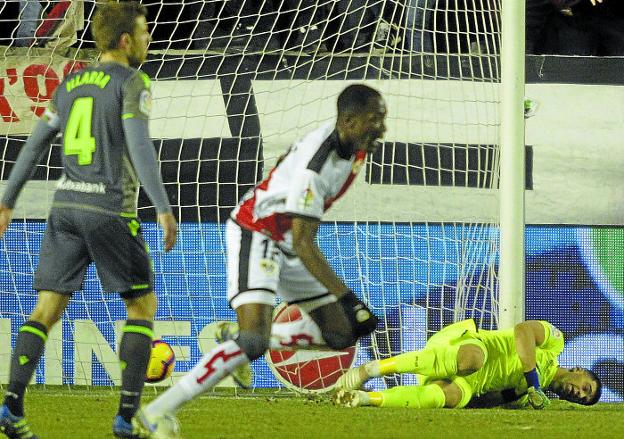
{"x": 554, "y": 332}
{"x": 307, "y": 198}
{"x": 145, "y": 102}
{"x": 269, "y": 267}
{"x": 52, "y": 119}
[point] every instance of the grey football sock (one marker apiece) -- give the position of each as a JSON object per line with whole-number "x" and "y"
{"x": 134, "y": 354}
{"x": 28, "y": 349}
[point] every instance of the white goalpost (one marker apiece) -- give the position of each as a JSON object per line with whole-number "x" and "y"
{"x": 512, "y": 170}
{"x": 421, "y": 236}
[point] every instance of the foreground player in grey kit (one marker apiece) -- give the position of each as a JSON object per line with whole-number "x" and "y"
{"x": 102, "y": 113}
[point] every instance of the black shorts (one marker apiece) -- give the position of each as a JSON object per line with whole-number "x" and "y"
{"x": 74, "y": 238}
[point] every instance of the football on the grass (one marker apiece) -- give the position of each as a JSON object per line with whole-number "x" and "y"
{"x": 161, "y": 363}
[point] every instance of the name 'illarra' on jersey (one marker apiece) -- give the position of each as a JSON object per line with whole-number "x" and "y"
{"x": 90, "y": 105}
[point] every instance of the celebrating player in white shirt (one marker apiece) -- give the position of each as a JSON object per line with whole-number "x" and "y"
{"x": 272, "y": 249}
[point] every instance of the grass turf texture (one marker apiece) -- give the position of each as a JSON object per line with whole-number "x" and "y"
{"x": 56, "y": 413}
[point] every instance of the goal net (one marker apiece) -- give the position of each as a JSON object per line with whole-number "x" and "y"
{"x": 233, "y": 86}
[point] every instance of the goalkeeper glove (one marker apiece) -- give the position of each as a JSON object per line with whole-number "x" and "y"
{"x": 537, "y": 398}
{"x": 362, "y": 320}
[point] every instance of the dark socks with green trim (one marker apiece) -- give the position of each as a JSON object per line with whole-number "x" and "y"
{"x": 134, "y": 354}
{"x": 28, "y": 349}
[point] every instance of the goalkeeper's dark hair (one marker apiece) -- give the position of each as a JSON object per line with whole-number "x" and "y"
{"x": 355, "y": 99}
{"x": 597, "y": 392}
{"x": 112, "y": 20}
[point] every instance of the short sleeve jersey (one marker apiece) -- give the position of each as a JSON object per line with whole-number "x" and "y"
{"x": 316, "y": 171}
{"x": 503, "y": 369}
{"x": 89, "y": 106}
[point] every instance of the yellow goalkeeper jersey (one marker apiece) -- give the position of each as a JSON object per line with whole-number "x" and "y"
{"x": 503, "y": 370}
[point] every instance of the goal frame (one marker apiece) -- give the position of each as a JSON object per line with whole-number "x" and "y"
{"x": 511, "y": 287}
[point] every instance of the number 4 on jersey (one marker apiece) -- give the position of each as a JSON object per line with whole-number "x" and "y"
{"x": 78, "y": 139}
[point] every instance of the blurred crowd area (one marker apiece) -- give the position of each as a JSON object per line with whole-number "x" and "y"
{"x": 565, "y": 27}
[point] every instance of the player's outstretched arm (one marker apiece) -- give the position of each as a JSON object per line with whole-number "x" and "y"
{"x": 527, "y": 336}
{"x": 24, "y": 168}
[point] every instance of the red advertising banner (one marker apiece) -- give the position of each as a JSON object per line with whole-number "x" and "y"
{"x": 26, "y": 86}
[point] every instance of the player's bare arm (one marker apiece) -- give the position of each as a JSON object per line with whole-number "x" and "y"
{"x": 170, "y": 229}
{"x": 528, "y": 335}
{"x": 304, "y": 232}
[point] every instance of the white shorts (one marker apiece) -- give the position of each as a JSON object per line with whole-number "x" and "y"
{"x": 258, "y": 270}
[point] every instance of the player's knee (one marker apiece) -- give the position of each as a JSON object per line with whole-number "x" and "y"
{"x": 339, "y": 339}
{"x": 470, "y": 359}
{"x": 46, "y": 316}
{"x": 452, "y": 393}
{"x": 253, "y": 344}
{"x": 142, "y": 307}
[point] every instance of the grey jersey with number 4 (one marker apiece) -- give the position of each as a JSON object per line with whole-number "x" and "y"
{"x": 91, "y": 104}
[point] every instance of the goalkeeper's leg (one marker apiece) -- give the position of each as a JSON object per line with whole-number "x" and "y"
{"x": 437, "y": 394}
{"x": 439, "y": 361}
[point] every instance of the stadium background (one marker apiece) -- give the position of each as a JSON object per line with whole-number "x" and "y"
{"x": 574, "y": 274}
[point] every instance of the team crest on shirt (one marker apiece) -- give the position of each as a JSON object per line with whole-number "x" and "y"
{"x": 269, "y": 266}
{"x": 555, "y": 332}
{"x": 307, "y": 198}
{"x": 145, "y": 102}
{"x": 356, "y": 166}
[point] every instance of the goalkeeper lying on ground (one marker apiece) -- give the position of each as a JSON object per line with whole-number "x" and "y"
{"x": 460, "y": 364}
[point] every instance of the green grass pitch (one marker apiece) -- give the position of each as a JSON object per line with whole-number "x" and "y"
{"x": 56, "y": 413}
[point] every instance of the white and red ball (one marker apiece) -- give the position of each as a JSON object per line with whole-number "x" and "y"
{"x": 307, "y": 370}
